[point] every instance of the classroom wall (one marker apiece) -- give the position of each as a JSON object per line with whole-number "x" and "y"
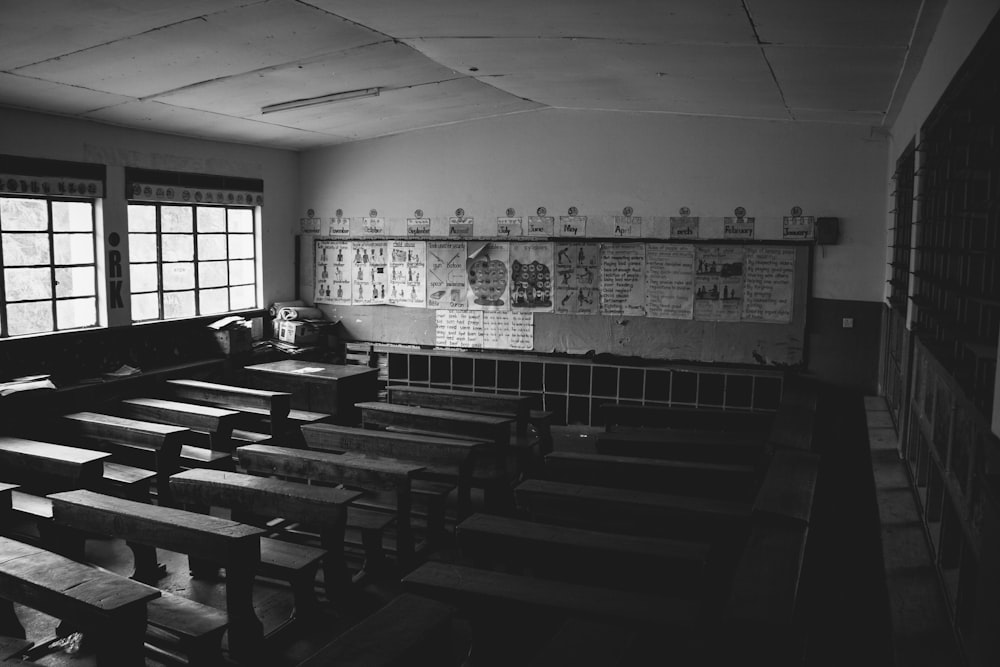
{"x": 53, "y": 137}
{"x": 601, "y": 162}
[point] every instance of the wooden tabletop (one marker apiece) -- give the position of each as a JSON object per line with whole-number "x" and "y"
{"x": 311, "y": 369}
{"x": 50, "y": 458}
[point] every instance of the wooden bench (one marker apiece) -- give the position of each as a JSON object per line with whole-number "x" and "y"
{"x": 444, "y": 459}
{"x": 585, "y": 556}
{"x": 11, "y": 648}
{"x": 717, "y": 480}
{"x": 209, "y": 542}
{"x": 353, "y": 472}
{"x": 683, "y": 445}
{"x": 496, "y": 601}
{"x": 211, "y": 426}
{"x": 409, "y": 630}
{"x": 109, "y": 608}
{"x": 789, "y": 487}
{"x": 132, "y": 442}
{"x": 794, "y": 427}
{"x": 272, "y": 408}
{"x": 619, "y": 416}
{"x": 265, "y": 497}
{"x": 493, "y": 473}
{"x": 633, "y": 512}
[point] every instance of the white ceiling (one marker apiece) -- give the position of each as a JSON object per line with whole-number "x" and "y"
{"x": 205, "y": 68}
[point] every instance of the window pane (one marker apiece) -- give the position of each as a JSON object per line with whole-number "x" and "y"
{"x": 142, "y": 278}
{"x": 75, "y": 281}
{"x": 212, "y": 246}
{"x": 25, "y": 284}
{"x": 212, "y": 274}
{"x": 142, "y": 247}
{"x": 26, "y": 318}
{"x": 72, "y": 216}
{"x": 240, "y": 220}
{"x": 178, "y": 276}
{"x": 177, "y": 247}
{"x": 141, "y": 218}
{"x": 214, "y": 301}
{"x": 243, "y": 297}
{"x": 74, "y": 248}
{"x": 29, "y": 215}
{"x": 76, "y": 313}
{"x": 25, "y": 249}
{"x": 145, "y": 307}
{"x": 176, "y": 219}
{"x": 241, "y": 272}
{"x": 240, "y": 245}
{"x": 178, "y": 304}
{"x": 211, "y": 219}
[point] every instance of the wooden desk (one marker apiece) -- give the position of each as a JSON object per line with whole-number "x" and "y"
{"x": 319, "y": 387}
{"x": 108, "y": 606}
{"x": 84, "y": 467}
{"x": 205, "y": 539}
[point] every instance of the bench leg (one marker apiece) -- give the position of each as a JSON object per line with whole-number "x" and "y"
{"x": 10, "y": 624}
{"x": 304, "y": 593}
{"x": 122, "y": 644}
{"x": 336, "y": 578}
{"x": 146, "y": 568}
{"x": 246, "y": 632}
{"x": 498, "y": 497}
{"x": 375, "y": 560}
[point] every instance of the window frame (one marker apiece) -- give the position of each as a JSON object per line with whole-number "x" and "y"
{"x": 95, "y": 265}
{"x": 196, "y": 288}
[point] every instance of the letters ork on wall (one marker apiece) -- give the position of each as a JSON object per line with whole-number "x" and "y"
{"x": 485, "y": 292}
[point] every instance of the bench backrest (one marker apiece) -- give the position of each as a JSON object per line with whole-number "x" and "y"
{"x": 216, "y": 423}
{"x": 516, "y": 407}
{"x": 447, "y": 422}
{"x": 447, "y": 453}
{"x": 627, "y": 511}
{"x": 351, "y": 471}
{"x": 717, "y": 480}
{"x": 73, "y": 464}
{"x": 203, "y": 536}
{"x": 125, "y": 431}
{"x": 274, "y": 404}
{"x": 262, "y": 496}
{"x": 647, "y": 416}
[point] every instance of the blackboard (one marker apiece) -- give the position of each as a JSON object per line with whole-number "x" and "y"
{"x": 737, "y": 342}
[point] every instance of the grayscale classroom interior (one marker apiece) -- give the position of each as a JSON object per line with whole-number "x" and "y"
{"x": 564, "y": 332}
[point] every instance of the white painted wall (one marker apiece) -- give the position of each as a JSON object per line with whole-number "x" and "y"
{"x": 52, "y": 137}
{"x": 601, "y": 162}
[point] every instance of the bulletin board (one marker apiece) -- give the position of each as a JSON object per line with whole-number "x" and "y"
{"x": 703, "y": 301}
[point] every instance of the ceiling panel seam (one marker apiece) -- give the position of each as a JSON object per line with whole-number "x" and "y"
{"x": 200, "y": 17}
{"x": 763, "y": 54}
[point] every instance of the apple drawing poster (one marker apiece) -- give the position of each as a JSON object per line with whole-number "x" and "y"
{"x": 487, "y": 269}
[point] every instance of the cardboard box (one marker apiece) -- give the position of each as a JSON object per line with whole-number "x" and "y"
{"x": 234, "y": 340}
{"x": 298, "y": 333}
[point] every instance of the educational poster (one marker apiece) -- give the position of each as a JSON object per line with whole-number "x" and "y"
{"x": 369, "y": 274}
{"x": 718, "y": 283}
{"x": 508, "y": 331}
{"x": 446, "y": 275}
{"x": 458, "y": 328}
{"x": 487, "y": 268}
{"x": 684, "y": 227}
{"x": 333, "y": 272}
{"x": 768, "y": 284}
{"x": 622, "y": 279}
{"x": 407, "y": 274}
{"x": 670, "y": 281}
{"x": 738, "y": 228}
{"x": 575, "y": 290}
{"x": 531, "y": 277}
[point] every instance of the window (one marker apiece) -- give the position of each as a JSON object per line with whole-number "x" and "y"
{"x": 49, "y": 262}
{"x": 190, "y": 260}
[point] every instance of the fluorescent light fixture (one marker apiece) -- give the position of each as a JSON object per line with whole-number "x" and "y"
{"x": 324, "y": 99}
